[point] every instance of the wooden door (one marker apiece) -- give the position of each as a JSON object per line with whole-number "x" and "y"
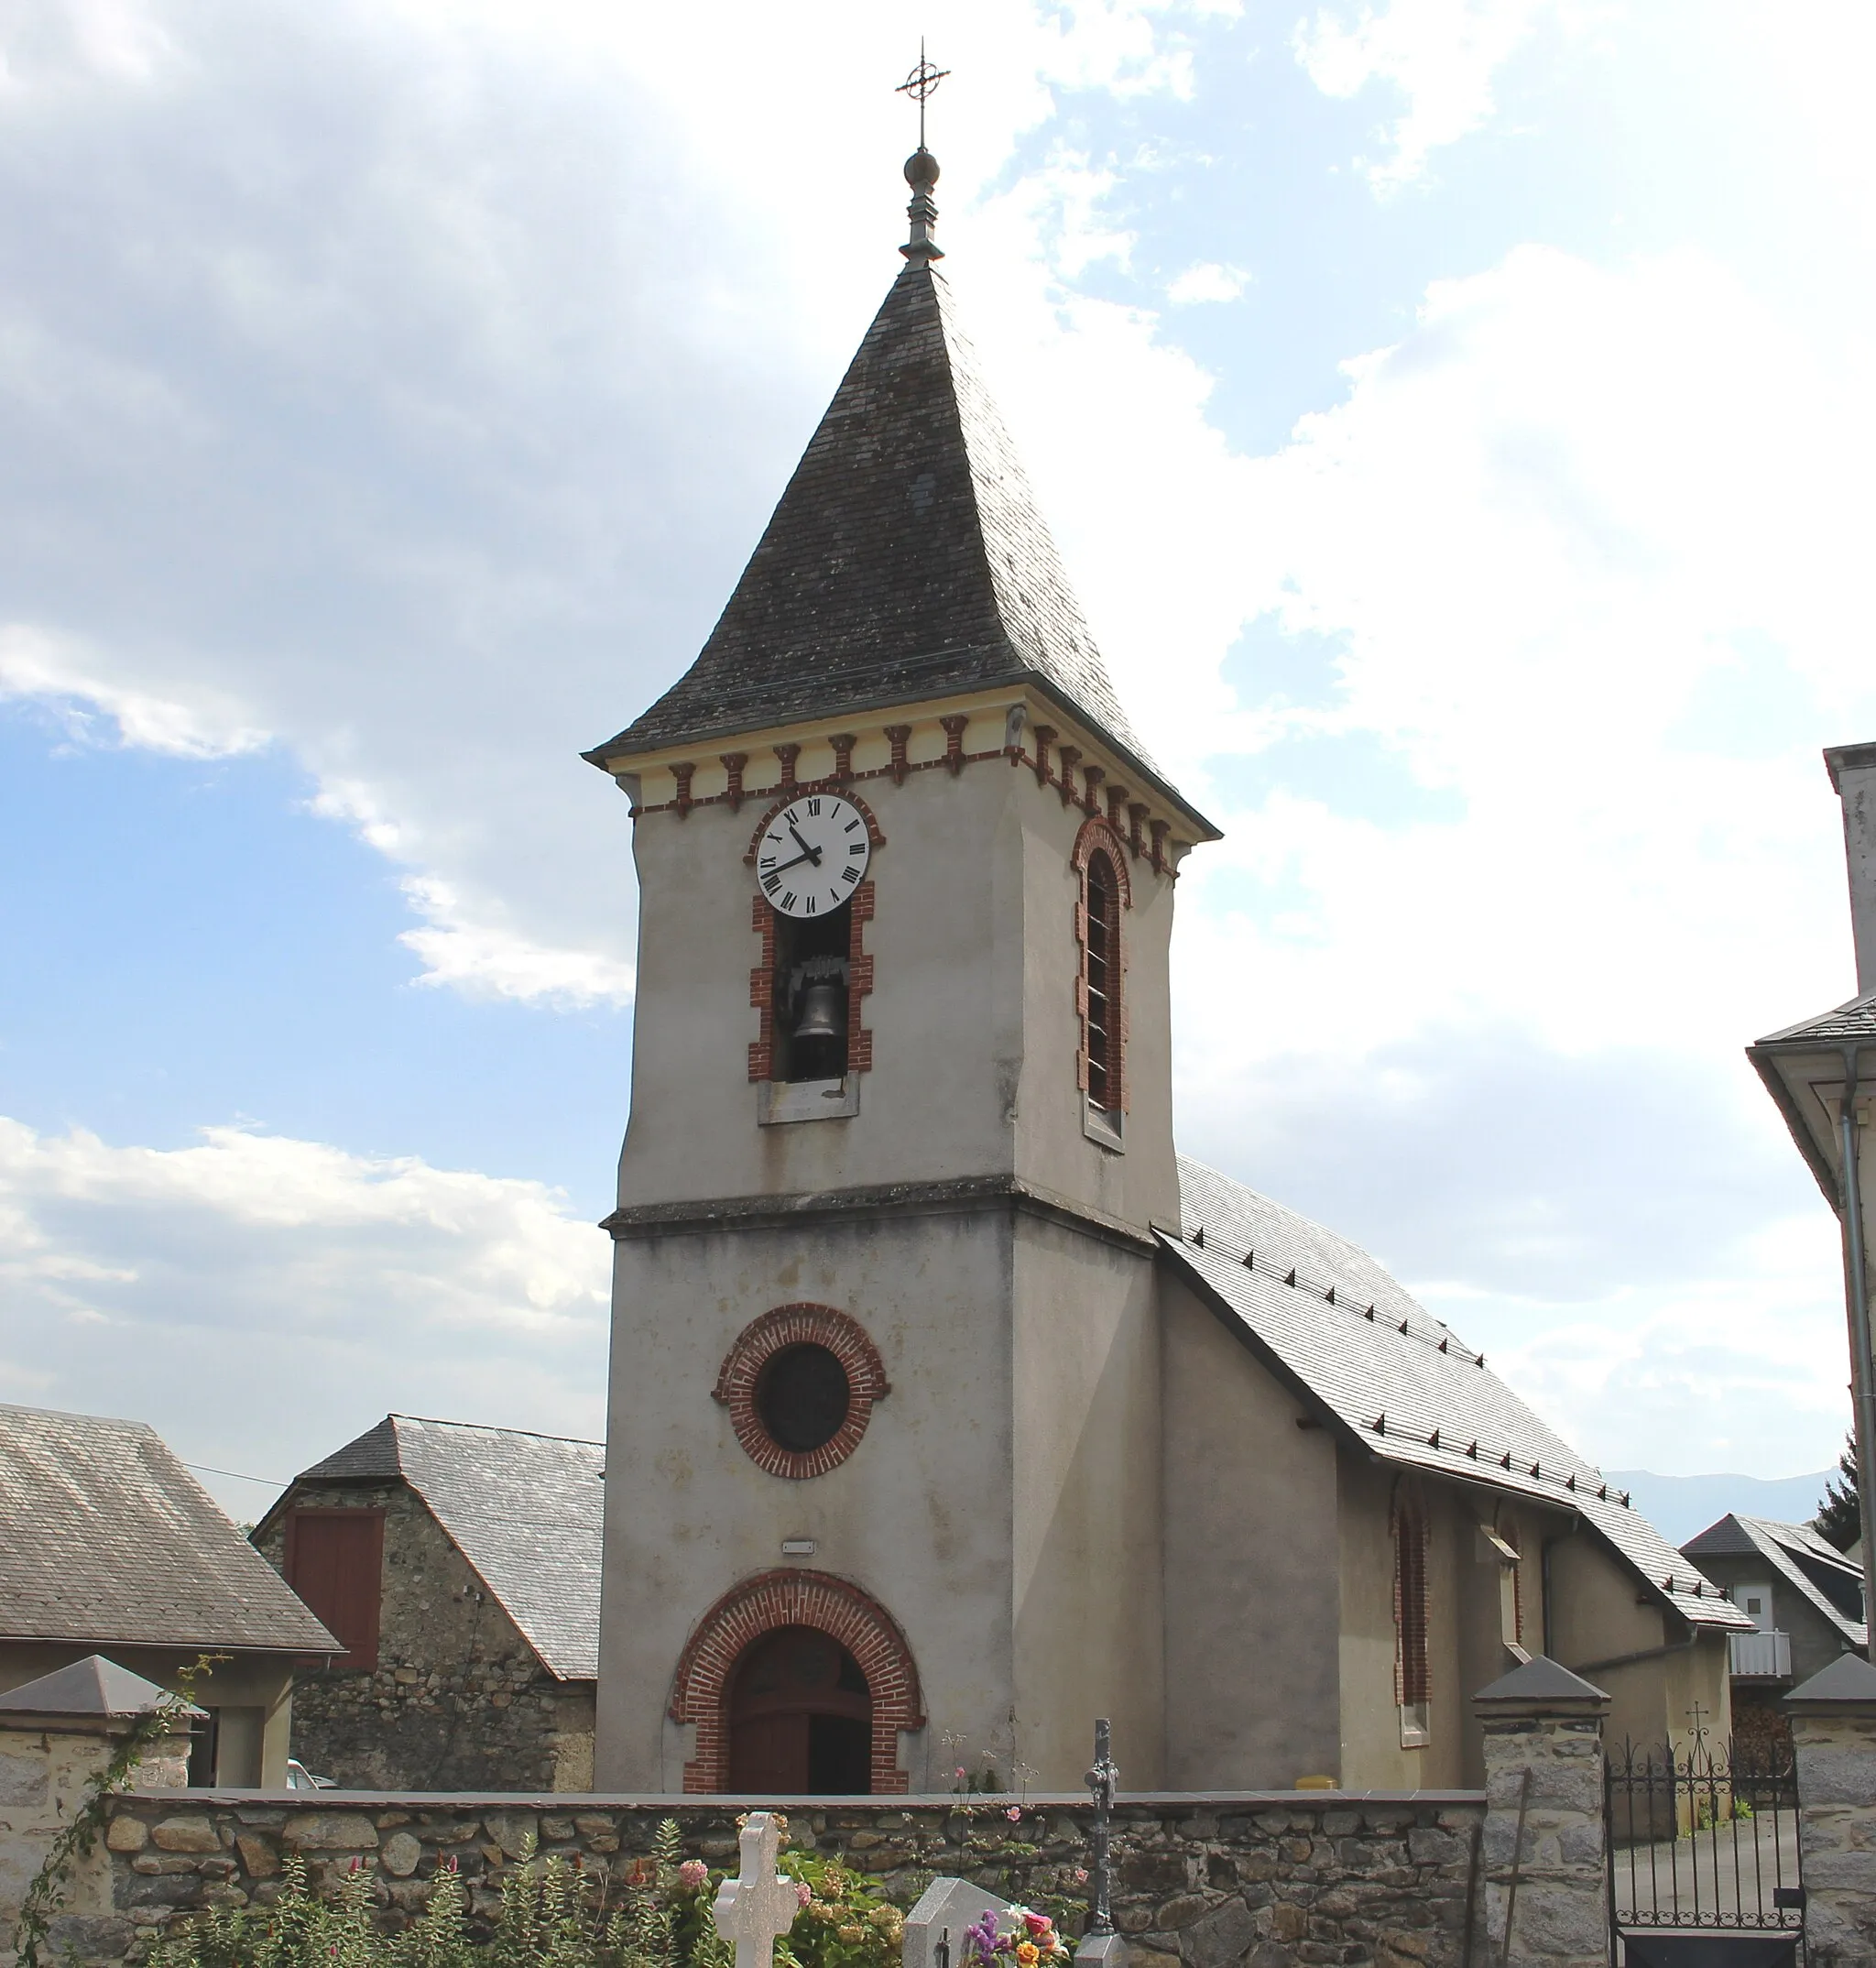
{"x": 335, "y": 1563}
{"x": 769, "y": 1756}
{"x": 801, "y": 1718}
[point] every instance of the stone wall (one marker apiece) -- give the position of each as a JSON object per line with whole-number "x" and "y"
{"x": 459, "y": 1700}
{"x": 1837, "y": 1781}
{"x": 45, "y": 1768}
{"x": 1264, "y": 1880}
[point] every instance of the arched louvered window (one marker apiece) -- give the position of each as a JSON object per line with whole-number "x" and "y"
{"x": 1412, "y": 1677}
{"x": 1101, "y": 983}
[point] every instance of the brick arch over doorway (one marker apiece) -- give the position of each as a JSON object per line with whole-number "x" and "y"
{"x": 701, "y": 1688}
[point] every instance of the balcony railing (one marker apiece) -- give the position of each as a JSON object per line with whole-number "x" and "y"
{"x": 1762, "y": 1657}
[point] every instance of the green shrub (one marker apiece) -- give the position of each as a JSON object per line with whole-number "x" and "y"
{"x": 551, "y": 1916}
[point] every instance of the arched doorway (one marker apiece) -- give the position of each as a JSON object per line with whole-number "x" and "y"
{"x": 801, "y": 1718}
{"x": 702, "y": 1688}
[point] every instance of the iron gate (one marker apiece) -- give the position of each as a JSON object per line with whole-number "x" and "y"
{"x": 1704, "y": 1845}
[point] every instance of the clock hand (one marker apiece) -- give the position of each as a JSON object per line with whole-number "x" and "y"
{"x": 807, "y": 853}
{"x": 798, "y": 859}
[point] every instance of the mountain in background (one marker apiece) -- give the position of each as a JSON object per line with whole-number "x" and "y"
{"x": 1681, "y": 1507}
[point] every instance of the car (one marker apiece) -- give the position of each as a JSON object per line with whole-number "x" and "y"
{"x": 299, "y": 1777}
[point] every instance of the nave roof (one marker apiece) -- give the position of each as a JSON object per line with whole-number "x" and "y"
{"x": 1399, "y": 1382}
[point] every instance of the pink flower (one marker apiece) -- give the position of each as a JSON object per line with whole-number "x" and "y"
{"x": 1014, "y": 1813}
{"x": 803, "y": 1891}
{"x": 692, "y": 1873}
{"x": 1081, "y": 1875}
{"x": 1037, "y": 1923}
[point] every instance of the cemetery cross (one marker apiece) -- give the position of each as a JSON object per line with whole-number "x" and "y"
{"x": 1101, "y": 1781}
{"x": 756, "y": 1908}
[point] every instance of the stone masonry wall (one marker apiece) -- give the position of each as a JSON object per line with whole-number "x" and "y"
{"x": 459, "y": 1700}
{"x": 1543, "y": 1848}
{"x": 1837, "y": 1761}
{"x": 1264, "y": 1880}
{"x": 44, "y": 1773}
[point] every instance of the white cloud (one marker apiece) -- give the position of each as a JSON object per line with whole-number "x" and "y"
{"x": 1442, "y": 55}
{"x": 487, "y": 958}
{"x": 1206, "y": 281}
{"x": 250, "y": 1295}
{"x": 1682, "y": 1378}
{"x": 54, "y": 671}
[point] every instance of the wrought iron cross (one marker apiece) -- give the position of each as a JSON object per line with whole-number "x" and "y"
{"x": 1696, "y": 1715}
{"x": 1101, "y": 1781}
{"x": 920, "y": 85}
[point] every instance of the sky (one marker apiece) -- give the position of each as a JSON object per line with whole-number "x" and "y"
{"x": 1452, "y": 413}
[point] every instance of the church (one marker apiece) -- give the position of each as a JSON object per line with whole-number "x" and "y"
{"x": 950, "y": 1408}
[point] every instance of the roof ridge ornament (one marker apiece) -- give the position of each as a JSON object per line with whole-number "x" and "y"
{"x": 921, "y": 167}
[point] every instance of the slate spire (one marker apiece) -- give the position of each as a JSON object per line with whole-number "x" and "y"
{"x": 906, "y": 560}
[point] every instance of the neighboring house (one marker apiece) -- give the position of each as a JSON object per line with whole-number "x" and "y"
{"x": 1805, "y": 1598}
{"x": 109, "y": 1546}
{"x": 947, "y": 1401}
{"x": 460, "y": 1567}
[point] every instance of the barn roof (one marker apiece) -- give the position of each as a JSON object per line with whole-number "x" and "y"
{"x": 1401, "y": 1383}
{"x": 524, "y": 1510}
{"x": 105, "y": 1538}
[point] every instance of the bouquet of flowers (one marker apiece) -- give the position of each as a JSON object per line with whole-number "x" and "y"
{"x": 1032, "y": 1942}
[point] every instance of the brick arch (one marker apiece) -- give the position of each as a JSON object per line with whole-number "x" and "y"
{"x": 1100, "y": 833}
{"x": 701, "y": 1688}
{"x": 758, "y": 1344}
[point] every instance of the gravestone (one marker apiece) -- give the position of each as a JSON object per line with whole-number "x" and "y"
{"x": 758, "y": 1907}
{"x": 949, "y": 1906}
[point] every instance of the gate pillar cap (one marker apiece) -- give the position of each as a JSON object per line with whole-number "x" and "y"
{"x": 1848, "y": 1686}
{"x": 1541, "y": 1686}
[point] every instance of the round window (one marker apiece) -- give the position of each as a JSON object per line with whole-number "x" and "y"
{"x": 802, "y": 1395}
{"x": 800, "y": 1383}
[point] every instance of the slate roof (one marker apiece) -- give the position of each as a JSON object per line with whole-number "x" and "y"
{"x": 107, "y": 1538}
{"x": 524, "y": 1510}
{"x": 906, "y": 560}
{"x": 1541, "y": 1679}
{"x": 1401, "y": 1383}
{"x": 1849, "y": 1678}
{"x": 1855, "y": 1019}
{"x": 1781, "y": 1545}
{"x": 92, "y": 1686}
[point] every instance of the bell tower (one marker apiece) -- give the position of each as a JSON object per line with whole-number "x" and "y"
{"x": 883, "y": 1438}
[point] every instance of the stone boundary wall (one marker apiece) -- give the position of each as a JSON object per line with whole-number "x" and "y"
{"x": 1265, "y": 1879}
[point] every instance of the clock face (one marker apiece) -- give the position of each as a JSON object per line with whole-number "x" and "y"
{"x": 813, "y": 855}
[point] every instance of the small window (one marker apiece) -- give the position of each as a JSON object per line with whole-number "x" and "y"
{"x": 1102, "y": 1063}
{"x": 334, "y": 1561}
{"x": 1411, "y": 1674}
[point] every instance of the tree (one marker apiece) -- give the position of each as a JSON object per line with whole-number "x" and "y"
{"x": 1839, "y": 1519}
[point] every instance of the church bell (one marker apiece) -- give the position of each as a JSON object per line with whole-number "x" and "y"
{"x": 824, "y": 1012}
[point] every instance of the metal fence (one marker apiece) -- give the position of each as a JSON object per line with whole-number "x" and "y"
{"x": 1699, "y": 1839}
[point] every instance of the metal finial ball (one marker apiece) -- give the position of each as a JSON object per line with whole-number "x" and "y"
{"x": 921, "y": 169}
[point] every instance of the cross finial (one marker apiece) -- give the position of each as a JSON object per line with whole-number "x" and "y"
{"x": 921, "y": 167}
{"x": 920, "y": 85}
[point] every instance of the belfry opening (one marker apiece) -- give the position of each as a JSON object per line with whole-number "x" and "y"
{"x": 801, "y": 1718}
